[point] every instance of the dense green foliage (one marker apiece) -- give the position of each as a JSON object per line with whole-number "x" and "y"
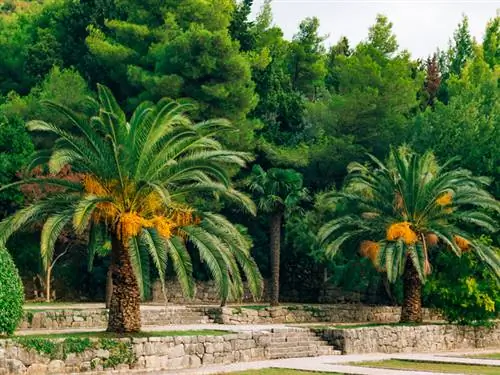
{"x": 297, "y": 104}
{"x": 11, "y": 294}
{"x": 136, "y": 179}
{"x": 467, "y": 293}
{"x": 15, "y": 149}
{"x": 399, "y": 212}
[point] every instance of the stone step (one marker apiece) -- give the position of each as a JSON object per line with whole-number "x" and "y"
{"x": 306, "y": 339}
{"x": 296, "y": 339}
{"x": 292, "y": 354}
{"x": 295, "y": 344}
{"x": 328, "y": 351}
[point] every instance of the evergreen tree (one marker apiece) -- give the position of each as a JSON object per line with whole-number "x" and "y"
{"x": 307, "y": 60}
{"x": 381, "y": 37}
{"x": 179, "y": 50}
{"x": 335, "y": 52}
{"x": 491, "y": 42}
{"x": 241, "y": 28}
{"x": 462, "y": 47}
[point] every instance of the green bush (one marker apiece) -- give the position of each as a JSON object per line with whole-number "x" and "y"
{"x": 11, "y": 294}
{"x": 464, "y": 289}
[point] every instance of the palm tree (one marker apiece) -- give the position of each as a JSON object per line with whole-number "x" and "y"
{"x": 278, "y": 192}
{"x": 400, "y": 211}
{"x": 138, "y": 179}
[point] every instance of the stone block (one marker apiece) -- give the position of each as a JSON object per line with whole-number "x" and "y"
{"x": 176, "y": 352}
{"x": 178, "y": 363}
{"x": 57, "y": 367}
{"x": 72, "y": 359}
{"x": 101, "y": 353}
{"x": 257, "y": 353}
{"x": 85, "y": 367}
{"x": 194, "y": 361}
{"x": 37, "y": 369}
{"x": 208, "y": 359}
{"x": 152, "y": 362}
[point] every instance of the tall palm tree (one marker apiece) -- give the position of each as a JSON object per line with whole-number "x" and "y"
{"x": 278, "y": 192}
{"x": 139, "y": 177}
{"x": 400, "y": 211}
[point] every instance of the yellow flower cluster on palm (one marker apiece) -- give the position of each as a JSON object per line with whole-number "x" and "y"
{"x": 445, "y": 199}
{"x": 127, "y": 222}
{"x": 369, "y": 249}
{"x": 462, "y": 243}
{"x": 402, "y": 231}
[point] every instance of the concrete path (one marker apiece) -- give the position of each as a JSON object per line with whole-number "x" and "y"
{"x": 334, "y": 364}
{"x": 340, "y": 364}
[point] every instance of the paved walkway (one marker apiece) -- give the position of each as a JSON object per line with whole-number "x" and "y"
{"x": 340, "y": 363}
{"x": 334, "y": 364}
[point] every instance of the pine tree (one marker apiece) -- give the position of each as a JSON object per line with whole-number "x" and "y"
{"x": 491, "y": 43}
{"x": 462, "y": 47}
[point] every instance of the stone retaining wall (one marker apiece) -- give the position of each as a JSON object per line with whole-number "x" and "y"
{"x": 158, "y": 315}
{"x": 98, "y": 318}
{"x": 206, "y": 293}
{"x": 408, "y": 339}
{"x": 347, "y": 313}
{"x": 153, "y": 353}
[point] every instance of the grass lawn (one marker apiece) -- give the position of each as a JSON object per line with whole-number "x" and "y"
{"x": 485, "y": 356}
{"x": 372, "y": 325}
{"x": 395, "y": 364}
{"x": 110, "y": 335}
{"x": 281, "y": 371}
{"x": 252, "y": 307}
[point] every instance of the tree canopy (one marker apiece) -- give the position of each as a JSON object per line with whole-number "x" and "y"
{"x": 304, "y": 105}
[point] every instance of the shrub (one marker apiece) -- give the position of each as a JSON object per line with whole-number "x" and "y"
{"x": 467, "y": 293}
{"x": 11, "y": 294}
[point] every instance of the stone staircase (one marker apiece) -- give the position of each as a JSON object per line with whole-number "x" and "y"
{"x": 161, "y": 315}
{"x": 297, "y": 343}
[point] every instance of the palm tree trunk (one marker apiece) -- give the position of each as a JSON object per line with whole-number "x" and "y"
{"x": 275, "y": 237}
{"x": 124, "y": 309}
{"x": 411, "y": 311}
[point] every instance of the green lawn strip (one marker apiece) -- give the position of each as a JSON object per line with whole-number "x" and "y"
{"x": 53, "y": 306}
{"x": 485, "y": 356}
{"x": 111, "y": 335}
{"x": 254, "y": 307}
{"x": 396, "y": 364}
{"x": 371, "y": 325}
{"x": 279, "y": 371}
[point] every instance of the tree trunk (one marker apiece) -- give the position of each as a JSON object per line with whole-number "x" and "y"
{"x": 124, "y": 309}
{"x": 411, "y": 311}
{"x": 47, "y": 284}
{"x": 275, "y": 237}
{"x": 109, "y": 287}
